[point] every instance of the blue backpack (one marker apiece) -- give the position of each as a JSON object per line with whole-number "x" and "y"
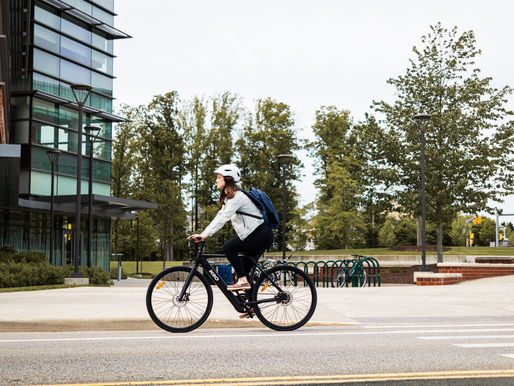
{"x": 263, "y": 202}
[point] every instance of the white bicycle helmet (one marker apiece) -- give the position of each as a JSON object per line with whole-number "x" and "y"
{"x": 229, "y": 171}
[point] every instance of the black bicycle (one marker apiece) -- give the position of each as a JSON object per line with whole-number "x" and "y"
{"x": 179, "y": 299}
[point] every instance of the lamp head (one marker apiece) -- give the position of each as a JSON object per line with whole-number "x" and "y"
{"x": 92, "y": 131}
{"x": 81, "y": 92}
{"x": 53, "y": 155}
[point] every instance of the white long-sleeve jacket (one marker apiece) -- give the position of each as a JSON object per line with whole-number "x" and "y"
{"x": 243, "y": 225}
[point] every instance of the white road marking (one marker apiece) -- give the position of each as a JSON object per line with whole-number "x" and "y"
{"x": 451, "y": 337}
{"x": 507, "y": 355}
{"x": 485, "y": 345}
{"x": 440, "y": 325}
{"x": 246, "y": 336}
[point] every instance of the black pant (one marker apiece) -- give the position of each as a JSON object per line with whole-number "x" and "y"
{"x": 254, "y": 245}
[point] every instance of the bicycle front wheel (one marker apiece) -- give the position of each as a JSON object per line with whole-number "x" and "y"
{"x": 170, "y": 312}
{"x": 287, "y": 302}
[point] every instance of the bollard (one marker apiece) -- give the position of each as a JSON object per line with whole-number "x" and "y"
{"x": 119, "y": 269}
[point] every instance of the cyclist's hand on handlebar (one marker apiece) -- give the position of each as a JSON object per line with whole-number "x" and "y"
{"x": 197, "y": 238}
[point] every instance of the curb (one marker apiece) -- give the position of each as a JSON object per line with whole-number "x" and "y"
{"x": 133, "y": 325}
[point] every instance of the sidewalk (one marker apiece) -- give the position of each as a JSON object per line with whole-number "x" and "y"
{"x": 122, "y": 306}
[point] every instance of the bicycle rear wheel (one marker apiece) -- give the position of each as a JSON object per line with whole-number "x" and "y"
{"x": 291, "y": 305}
{"x": 172, "y": 314}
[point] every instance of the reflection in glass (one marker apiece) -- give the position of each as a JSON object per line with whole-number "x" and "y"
{"x": 45, "y": 84}
{"x": 75, "y": 51}
{"x": 45, "y": 38}
{"x": 46, "y": 62}
{"x": 47, "y": 18}
{"x": 77, "y": 32}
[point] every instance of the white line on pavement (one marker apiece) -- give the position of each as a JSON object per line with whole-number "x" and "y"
{"x": 485, "y": 345}
{"x": 507, "y": 355}
{"x": 246, "y": 336}
{"x": 451, "y": 337}
{"x": 440, "y": 325}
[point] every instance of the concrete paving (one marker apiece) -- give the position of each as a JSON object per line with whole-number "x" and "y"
{"x": 122, "y": 306}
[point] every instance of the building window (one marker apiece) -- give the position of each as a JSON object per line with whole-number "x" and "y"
{"x": 45, "y": 62}
{"x": 102, "y": 43}
{"x": 75, "y": 51}
{"x": 47, "y": 39}
{"x": 74, "y": 73}
{"x": 45, "y": 84}
{"x": 43, "y": 16}
{"x": 101, "y": 84}
{"x": 76, "y": 31}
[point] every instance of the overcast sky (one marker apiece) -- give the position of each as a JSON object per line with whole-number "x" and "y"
{"x": 303, "y": 53}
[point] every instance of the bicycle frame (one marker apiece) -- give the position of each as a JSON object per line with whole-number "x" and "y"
{"x": 238, "y": 301}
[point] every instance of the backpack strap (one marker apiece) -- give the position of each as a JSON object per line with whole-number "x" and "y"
{"x": 251, "y": 215}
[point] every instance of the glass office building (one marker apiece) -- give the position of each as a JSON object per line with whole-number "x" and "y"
{"x": 53, "y": 44}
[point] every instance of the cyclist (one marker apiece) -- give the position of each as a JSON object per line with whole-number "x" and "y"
{"x": 253, "y": 235}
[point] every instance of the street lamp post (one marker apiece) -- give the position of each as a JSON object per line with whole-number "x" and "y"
{"x": 81, "y": 93}
{"x": 53, "y": 156}
{"x": 422, "y": 120}
{"x": 283, "y": 158}
{"x": 92, "y": 132}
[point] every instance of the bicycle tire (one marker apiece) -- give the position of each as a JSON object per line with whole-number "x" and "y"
{"x": 165, "y": 309}
{"x": 293, "y": 307}
{"x": 338, "y": 277}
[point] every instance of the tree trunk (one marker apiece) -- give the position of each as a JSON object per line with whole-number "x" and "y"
{"x": 440, "y": 242}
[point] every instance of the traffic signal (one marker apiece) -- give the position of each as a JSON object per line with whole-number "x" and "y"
{"x": 501, "y": 237}
{"x": 479, "y": 219}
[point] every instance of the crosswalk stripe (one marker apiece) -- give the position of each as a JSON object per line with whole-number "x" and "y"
{"x": 451, "y": 337}
{"x": 484, "y": 345}
{"x": 507, "y": 355}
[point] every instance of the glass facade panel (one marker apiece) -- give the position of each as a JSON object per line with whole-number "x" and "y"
{"x": 44, "y": 134}
{"x": 45, "y": 84}
{"x": 46, "y": 39}
{"x": 101, "y": 62}
{"x": 101, "y": 83}
{"x": 102, "y": 150}
{"x": 75, "y": 51}
{"x": 107, "y": 4}
{"x": 44, "y": 110}
{"x": 102, "y": 43}
{"x": 74, "y": 73}
{"x": 100, "y": 102}
{"x": 106, "y": 127}
{"x": 48, "y": 18}
{"x": 65, "y": 141}
{"x": 101, "y": 15}
{"x": 80, "y": 5}
{"x": 46, "y": 62}
{"x": 101, "y": 170}
{"x": 76, "y": 31}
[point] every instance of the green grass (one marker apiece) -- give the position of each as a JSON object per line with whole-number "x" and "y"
{"x": 387, "y": 252}
{"x": 37, "y": 288}
{"x": 150, "y": 268}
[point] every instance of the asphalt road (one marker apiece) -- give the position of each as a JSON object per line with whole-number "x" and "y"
{"x": 451, "y": 352}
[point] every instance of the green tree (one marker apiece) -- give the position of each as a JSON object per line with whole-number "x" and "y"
{"x": 338, "y": 165}
{"x": 162, "y": 168}
{"x": 386, "y": 234}
{"x": 405, "y": 231}
{"x": 466, "y": 140}
{"x": 459, "y": 229}
{"x": 266, "y": 135}
{"x": 485, "y": 232}
{"x": 225, "y": 113}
